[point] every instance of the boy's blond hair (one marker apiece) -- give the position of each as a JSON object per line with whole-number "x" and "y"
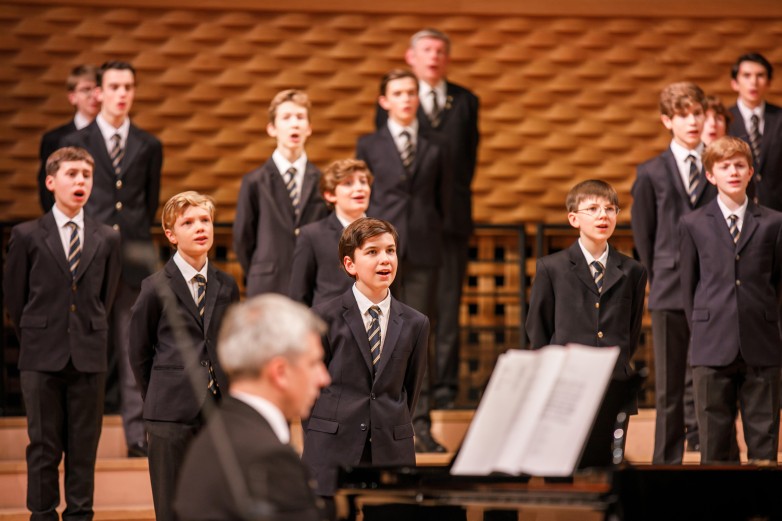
{"x": 177, "y": 205}
{"x": 725, "y": 148}
{"x": 589, "y": 189}
{"x": 679, "y": 98}
{"x": 81, "y": 72}
{"x": 63, "y": 154}
{"x": 299, "y": 97}
{"x": 340, "y": 169}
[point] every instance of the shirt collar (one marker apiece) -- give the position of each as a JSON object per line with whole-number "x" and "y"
{"x": 364, "y": 303}
{"x": 424, "y": 89}
{"x": 603, "y": 259}
{"x": 397, "y": 129}
{"x": 282, "y": 164}
{"x": 681, "y": 153}
{"x": 188, "y": 272}
{"x": 746, "y": 112}
{"x": 269, "y": 411}
{"x": 738, "y": 212}
{"x": 107, "y": 130}
{"x": 80, "y": 121}
{"x": 344, "y": 222}
{"x": 61, "y": 219}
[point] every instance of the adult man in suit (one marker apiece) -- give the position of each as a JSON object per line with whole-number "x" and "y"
{"x": 273, "y": 206}
{"x": 451, "y": 111}
{"x": 128, "y": 161}
{"x": 241, "y": 465}
{"x": 759, "y": 123}
{"x": 411, "y": 190}
{"x": 81, "y": 94}
{"x": 60, "y": 278}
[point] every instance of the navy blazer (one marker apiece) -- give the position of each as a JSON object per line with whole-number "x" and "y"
{"x": 155, "y": 357}
{"x": 49, "y": 143}
{"x": 565, "y": 305}
{"x": 266, "y": 226}
{"x": 356, "y": 405}
{"x": 459, "y": 129}
{"x": 416, "y": 203}
{"x": 767, "y": 180}
{"x": 58, "y": 317}
{"x": 732, "y": 291}
{"x": 128, "y": 202}
{"x": 317, "y": 275}
{"x": 660, "y": 200}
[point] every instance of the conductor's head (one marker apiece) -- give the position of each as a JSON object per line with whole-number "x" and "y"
{"x": 270, "y": 346}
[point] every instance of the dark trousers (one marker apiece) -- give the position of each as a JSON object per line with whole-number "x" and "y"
{"x": 416, "y": 286}
{"x": 449, "y": 296}
{"x": 671, "y": 338}
{"x": 64, "y": 416}
{"x": 168, "y": 442}
{"x": 756, "y": 390}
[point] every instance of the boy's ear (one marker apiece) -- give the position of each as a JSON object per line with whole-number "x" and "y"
{"x": 271, "y": 130}
{"x": 330, "y": 197}
{"x": 171, "y": 237}
{"x": 350, "y": 267}
{"x": 666, "y": 121}
{"x": 573, "y": 220}
{"x": 383, "y": 102}
{"x": 734, "y": 85}
{"x": 49, "y": 181}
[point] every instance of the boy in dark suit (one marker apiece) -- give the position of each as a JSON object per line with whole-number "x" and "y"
{"x": 376, "y": 355}
{"x": 451, "y": 111}
{"x": 275, "y": 378}
{"x": 128, "y": 161}
{"x": 411, "y": 191}
{"x": 759, "y": 123}
{"x": 590, "y": 293}
{"x": 317, "y": 275}
{"x": 185, "y": 301}
{"x": 666, "y": 188}
{"x": 731, "y": 276}
{"x": 276, "y": 199}
{"x": 82, "y": 95}
{"x": 60, "y": 277}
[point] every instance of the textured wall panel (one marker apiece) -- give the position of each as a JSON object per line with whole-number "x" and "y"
{"x": 564, "y": 98}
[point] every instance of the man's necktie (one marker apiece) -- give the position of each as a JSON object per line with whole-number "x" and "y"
{"x": 117, "y": 153}
{"x": 408, "y": 151}
{"x": 374, "y": 336}
{"x": 599, "y": 272}
{"x": 694, "y": 179}
{"x": 755, "y": 137}
{"x": 201, "y": 303}
{"x": 74, "y": 248}
{"x": 435, "y": 115}
{"x": 733, "y": 226}
{"x": 292, "y": 187}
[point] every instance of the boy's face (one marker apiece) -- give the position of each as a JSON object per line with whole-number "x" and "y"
{"x": 192, "y": 232}
{"x": 351, "y": 195}
{"x": 305, "y": 376}
{"x": 731, "y": 176}
{"x": 291, "y": 126}
{"x": 687, "y": 127}
{"x": 116, "y": 94}
{"x": 401, "y": 100}
{"x": 595, "y": 219}
{"x": 751, "y": 83}
{"x": 713, "y": 127}
{"x": 429, "y": 60}
{"x": 374, "y": 263}
{"x": 71, "y": 185}
{"x": 85, "y": 98}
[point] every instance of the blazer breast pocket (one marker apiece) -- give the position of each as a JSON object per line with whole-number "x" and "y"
{"x": 321, "y": 425}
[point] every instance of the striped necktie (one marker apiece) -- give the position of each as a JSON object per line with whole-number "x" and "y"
{"x": 755, "y": 137}
{"x": 435, "y": 115}
{"x": 694, "y": 179}
{"x": 599, "y": 272}
{"x": 74, "y": 248}
{"x": 117, "y": 153}
{"x": 292, "y": 187}
{"x": 733, "y": 226}
{"x": 408, "y": 150}
{"x": 201, "y": 303}
{"x": 374, "y": 336}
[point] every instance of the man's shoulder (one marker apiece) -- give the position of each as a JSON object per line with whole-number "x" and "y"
{"x": 407, "y": 311}
{"x": 140, "y": 133}
{"x": 461, "y": 90}
{"x": 336, "y": 306}
{"x": 654, "y": 165}
{"x": 265, "y": 169}
{"x": 54, "y": 135}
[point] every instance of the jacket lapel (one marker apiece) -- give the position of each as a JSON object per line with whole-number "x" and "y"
{"x": 391, "y": 151}
{"x": 422, "y": 146}
{"x": 180, "y": 289}
{"x": 99, "y": 151}
{"x": 580, "y": 268}
{"x": 720, "y": 225}
{"x": 751, "y": 224}
{"x": 213, "y": 288}
{"x": 132, "y": 147}
{"x": 309, "y": 184}
{"x": 675, "y": 176}
{"x": 396, "y": 324}
{"x": 280, "y": 192}
{"x": 613, "y": 271}
{"x": 89, "y": 247}
{"x": 353, "y": 319}
{"x": 54, "y": 243}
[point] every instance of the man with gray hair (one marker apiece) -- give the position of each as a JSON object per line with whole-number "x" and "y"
{"x": 241, "y": 465}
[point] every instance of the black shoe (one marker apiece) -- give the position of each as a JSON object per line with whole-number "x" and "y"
{"x": 137, "y": 450}
{"x": 424, "y": 442}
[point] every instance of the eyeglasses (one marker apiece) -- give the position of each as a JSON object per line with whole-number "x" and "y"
{"x": 594, "y": 210}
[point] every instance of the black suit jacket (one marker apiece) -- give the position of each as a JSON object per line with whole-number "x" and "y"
{"x": 129, "y": 206}
{"x": 317, "y": 275}
{"x": 55, "y": 316}
{"x": 271, "y": 471}
{"x": 156, "y": 358}
{"x": 565, "y": 305}
{"x": 767, "y": 180}
{"x": 415, "y": 203}
{"x": 266, "y": 226}
{"x": 355, "y": 404}
{"x": 459, "y": 128}
{"x": 733, "y": 291}
{"x": 49, "y": 143}
{"x": 660, "y": 200}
